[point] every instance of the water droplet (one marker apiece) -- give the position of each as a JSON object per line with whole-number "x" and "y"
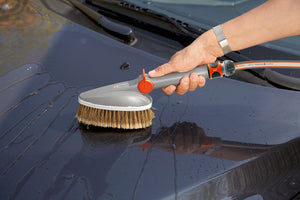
{"x": 292, "y": 183}
{"x": 5, "y": 7}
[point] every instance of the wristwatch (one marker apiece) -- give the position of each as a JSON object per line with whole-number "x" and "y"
{"x": 222, "y": 39}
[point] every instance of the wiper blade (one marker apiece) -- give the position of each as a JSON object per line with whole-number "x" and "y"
{"x": 183, "y": 27}
{"x": 148, "y": 17}
{"x": 123, "y": 32}
{"x": 150, "y": 20}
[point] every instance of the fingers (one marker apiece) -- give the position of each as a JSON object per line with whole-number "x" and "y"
{"x": 183, "y": 86}
{"x": 186, "y": 84}
{"x": 202, "y": 81}
{"x": 161, "y": 70}
{"x": 193, "y": 83}
{"x": 169, "y": 90}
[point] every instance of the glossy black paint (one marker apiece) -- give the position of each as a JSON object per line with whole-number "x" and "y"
{"x": 229, "y": 139}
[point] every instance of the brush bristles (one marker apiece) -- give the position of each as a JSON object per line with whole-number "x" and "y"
{"x": 114, "y": 119}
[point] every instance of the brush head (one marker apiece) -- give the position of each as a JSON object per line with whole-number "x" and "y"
{"x": 114, "y": 118}
{"x": 123, "y": 109}
{"x": 116, "y": 100}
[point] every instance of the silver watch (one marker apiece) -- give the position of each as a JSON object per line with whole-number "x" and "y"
{"x": 222, "y": 39}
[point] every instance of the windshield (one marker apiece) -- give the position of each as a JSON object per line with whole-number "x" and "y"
{"x": 209, "y": 13}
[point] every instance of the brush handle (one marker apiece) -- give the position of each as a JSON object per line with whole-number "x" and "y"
{"x": 174, "y": 78}
{"x": 209, "y": 71}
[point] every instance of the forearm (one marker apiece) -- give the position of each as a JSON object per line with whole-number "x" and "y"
{"x": 272, "y": 20}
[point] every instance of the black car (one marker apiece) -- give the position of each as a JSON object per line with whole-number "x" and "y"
{"x": 235, "y": 138}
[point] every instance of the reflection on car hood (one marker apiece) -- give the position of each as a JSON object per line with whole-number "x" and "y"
{"x": 219, "y": 141}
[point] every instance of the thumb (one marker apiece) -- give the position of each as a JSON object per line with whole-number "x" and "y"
{"x": 161, "y": 70}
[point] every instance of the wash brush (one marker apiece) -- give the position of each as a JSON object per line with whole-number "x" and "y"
{"x": 127, "y": 105}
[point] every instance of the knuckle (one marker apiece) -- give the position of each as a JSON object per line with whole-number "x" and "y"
{"x": 183, "y": 86}
{"x": 163, "y": 69}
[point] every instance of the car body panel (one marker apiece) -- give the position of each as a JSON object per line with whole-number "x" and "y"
{"x": 46, "y": 154}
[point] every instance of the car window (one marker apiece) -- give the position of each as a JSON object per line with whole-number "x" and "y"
{"x": 209, "y": 13}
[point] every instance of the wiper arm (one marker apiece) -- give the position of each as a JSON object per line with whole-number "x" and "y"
{"x": 165, "y": 25}
{"x": 123, "y": 32}
{"x": 151, "y": 18}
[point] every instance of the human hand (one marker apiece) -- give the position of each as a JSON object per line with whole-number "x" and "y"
{"x": 203, "y": 50}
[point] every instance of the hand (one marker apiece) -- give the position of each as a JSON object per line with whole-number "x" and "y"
{"x": 203, "y": 50}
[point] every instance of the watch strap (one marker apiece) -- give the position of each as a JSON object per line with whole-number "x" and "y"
{"x": 222, "y": 39}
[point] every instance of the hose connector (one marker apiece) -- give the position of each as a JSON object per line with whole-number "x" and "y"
{"x": 218, "y": 69}
{"x": 228, "y": 67}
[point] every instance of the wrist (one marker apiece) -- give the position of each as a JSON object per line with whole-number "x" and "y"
{"x": 209, "y": 43}
{"x": 222, "y": 40}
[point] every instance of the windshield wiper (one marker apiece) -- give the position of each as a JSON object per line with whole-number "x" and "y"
{"x": 153, "y": 21}
{"x": 148, "y": 19}
{"x": 124, "y": 33}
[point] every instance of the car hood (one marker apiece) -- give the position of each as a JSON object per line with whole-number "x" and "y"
{"x": 227, "y": 139}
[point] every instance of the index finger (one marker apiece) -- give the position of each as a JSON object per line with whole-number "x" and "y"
{"x": 161, "y": 70}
